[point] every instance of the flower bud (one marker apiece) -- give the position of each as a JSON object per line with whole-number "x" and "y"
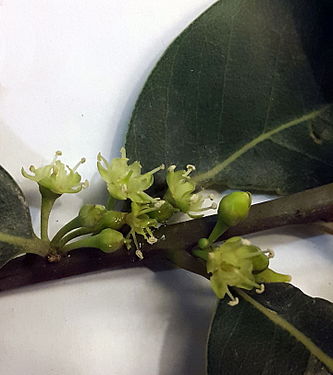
{"x": 113, "y": 219}
{"x": 108, "y": 240}
{"x": 234, "y": 208}
{"x": 90, "y": 215}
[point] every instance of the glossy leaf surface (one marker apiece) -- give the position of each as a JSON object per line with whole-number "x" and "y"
{"x": 280, "y": 332}
{"x": 244, "y": 93}
{"x": 14, "y": 218}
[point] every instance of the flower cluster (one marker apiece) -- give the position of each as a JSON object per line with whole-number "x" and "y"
{"x": 56, "y": 177}
{"x": 181, "y": 192}
{"x": 238, "y": 263}
{"x": 125, "y": 181}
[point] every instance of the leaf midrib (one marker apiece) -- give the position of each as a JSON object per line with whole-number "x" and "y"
{"x": 205, "y": 176}
{"x": 292, "y": 330}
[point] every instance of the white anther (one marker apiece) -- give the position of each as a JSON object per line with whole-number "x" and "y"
{"x": 269, "y": 253}
{"x": 190, "y": 167}
{"x": 234, "y": 302}
{"x": 211, "y": 196}
{"x": 261, "y": 289}
{"x": 213, "y": 206}
{"x": 245, "y": 242}
{"x": 159, "y": 203}
{"x": 139, "y": 254}
{"x": 151, "y": 240}
{"x": 172, "y": 168}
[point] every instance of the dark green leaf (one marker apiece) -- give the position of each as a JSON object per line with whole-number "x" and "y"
{"x": 244, "y": 93}
{"x": 15, "y": 217}
{"x": 280, "y": 332}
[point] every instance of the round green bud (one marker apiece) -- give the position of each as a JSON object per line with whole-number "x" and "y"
{"x": 113, "y": 219}
{"x": 163, "y": 213}
{"x": 234, "y": 208}
{"x": 108, "y": 240}
{"x": 91, "y": 214}
{"x": 203, "y": 243}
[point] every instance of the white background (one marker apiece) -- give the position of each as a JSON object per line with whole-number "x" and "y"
{"x": 70, "y": 72}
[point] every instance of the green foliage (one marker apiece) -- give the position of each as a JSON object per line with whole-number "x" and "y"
{"x": 15, "y": 218}
{"x": 280, "y": 332}
{"x": 244, "y": 93}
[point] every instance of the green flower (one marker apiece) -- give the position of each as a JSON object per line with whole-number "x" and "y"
{"x": 180, "y": 193}
{"x": 126, "y": 181}
{"x": 237, "y": 263}
{"x": 141, "y": 223}
{"x": 56, "y": 177}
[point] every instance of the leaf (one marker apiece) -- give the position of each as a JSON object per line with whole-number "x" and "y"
{"x": 280, "y": 332}
{"x": 15, "y": 217}
{"x": 244, "y": 93}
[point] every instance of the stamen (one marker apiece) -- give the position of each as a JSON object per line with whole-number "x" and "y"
{"x": 161, "y": 167}
{"x": 123, "y": 153}
{"x": 190, "y": 167}
{"x": 261, "y": 289}
{"x": 245, "y": 242}
{"x": 159, "y": 203}
{"x": 135, "y": 240}
{"x": 234, "y": 302}
{"x": 139, "y": 254}
{"x": 269, "y": 253}
{"x": 194, "y": 198}
{"x": 32, "y": 169}
{"x": 213, "y": 206}
{"x": 151, "y": 240}
{"x": 57, "y": 153}
{"x": 211, "y": 196}
{"x": 128, "y": 241}
{"x": 172, "y": 168}
{"x": 83, "y": 160}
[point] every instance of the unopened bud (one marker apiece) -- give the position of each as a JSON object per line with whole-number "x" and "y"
{"x": 234, "y": 208}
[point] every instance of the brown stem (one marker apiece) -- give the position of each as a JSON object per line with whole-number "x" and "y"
{"x": 306, "y": 207}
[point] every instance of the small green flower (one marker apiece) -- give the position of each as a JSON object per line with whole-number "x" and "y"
{"x": 180, "y": 193}
{"x": 141, "y": 223}
{"x": 238, "y": 263}
{"x": 55, "y": 178}
{"x": 126, "y": 181}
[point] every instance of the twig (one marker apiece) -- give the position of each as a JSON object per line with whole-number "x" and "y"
{"x": 306, "y": 207}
